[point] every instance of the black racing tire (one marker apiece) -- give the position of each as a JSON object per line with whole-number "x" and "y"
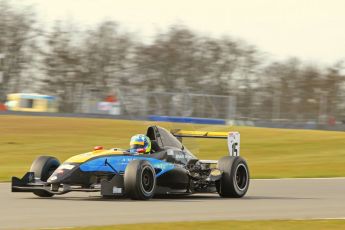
{"x": 140, "y": 180}
{"x": 235, "y": 178}
{"x": 43, "y": 167}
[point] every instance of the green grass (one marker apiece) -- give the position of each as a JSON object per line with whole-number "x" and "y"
{"x": 271, "y": 153}
{"x": 226, "y": 225}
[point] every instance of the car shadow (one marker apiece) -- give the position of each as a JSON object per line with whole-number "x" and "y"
{"x": 275, "y": 198}
{"x": 168, "y": 198}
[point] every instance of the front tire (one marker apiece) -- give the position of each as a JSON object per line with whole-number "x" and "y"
{"x": 43, "y": 167}
{"x": 235, "y": 179}
{"x": 140, "y": 180}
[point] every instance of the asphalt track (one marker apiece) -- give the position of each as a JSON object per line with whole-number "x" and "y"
{"x": 266, "y": 199}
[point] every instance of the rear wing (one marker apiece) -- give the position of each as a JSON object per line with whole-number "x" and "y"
{"x": 232, "y": 137}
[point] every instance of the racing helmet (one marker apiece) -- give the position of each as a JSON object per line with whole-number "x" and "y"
{"x": 140, "y": 143}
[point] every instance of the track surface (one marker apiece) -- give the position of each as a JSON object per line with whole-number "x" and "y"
{"x": 266, "y": 199}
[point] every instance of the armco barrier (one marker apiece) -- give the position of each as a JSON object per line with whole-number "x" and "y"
{"x": 288, "y": 125}
{"x": 76, "y": 115}
{"x": 194, "y": 120}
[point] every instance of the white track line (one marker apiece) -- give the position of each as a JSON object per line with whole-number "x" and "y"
{"x": 302, "y": 219}
{"x": 330, "y": 218}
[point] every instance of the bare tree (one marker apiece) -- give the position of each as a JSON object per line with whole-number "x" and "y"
{"x": 107, "y": 56}
{"x": 84, "y": 65}
{"x": 62, "y": 64}
{"x": 17, "y": 33}
{"x": 332, "y": 92}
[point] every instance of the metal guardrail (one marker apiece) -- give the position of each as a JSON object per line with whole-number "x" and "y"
{"x": 77, "y": 115}
{"x": 267, "y": 124}
{"x": 194, "y": 120}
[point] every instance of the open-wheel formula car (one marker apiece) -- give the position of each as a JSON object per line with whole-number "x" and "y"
{"x": 170, "y": 169}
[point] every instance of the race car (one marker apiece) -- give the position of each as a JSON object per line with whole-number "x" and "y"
{"x": 170, "y": 169}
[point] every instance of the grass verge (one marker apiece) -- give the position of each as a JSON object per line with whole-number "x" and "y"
{"x": 225, "y": 225}
{"x": 271, "y": 153}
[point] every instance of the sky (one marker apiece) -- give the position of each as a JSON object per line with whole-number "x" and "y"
{"x": 313, "y": 30}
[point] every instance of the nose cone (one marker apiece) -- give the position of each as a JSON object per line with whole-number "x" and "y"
{"x": 58, "y": 176}
{"x": 62, "y": 173}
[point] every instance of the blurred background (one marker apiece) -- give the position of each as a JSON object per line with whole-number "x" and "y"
{"x": 60, "y": 65}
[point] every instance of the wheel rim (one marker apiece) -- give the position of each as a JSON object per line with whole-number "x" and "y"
{"x": 241, "y": 177}
{"x": 147, "y": 180}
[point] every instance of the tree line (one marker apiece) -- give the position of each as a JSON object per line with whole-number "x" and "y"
{"x": 67, "y": 61}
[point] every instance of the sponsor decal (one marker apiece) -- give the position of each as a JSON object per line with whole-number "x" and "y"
{"x": 59, "y": 171}
{"x": 117, "y": 190}
{"x": 66, "y": 166}
{"x": 179, "y": 156}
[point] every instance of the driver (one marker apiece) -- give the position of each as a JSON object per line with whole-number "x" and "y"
{"x": 140, "y": 143}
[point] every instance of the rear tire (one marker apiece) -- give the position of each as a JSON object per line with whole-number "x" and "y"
{"x": 43, "y": 167}
{"x": 140, "y": 180}
{"x": 235, "y": 179}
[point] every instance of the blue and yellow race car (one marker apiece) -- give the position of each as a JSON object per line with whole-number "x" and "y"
{"x": 170, "y": 169}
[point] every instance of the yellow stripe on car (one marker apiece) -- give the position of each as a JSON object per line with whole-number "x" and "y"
{"x": 86, "y": 156}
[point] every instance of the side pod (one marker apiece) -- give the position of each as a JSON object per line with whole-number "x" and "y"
{"x": 113, "y": 187}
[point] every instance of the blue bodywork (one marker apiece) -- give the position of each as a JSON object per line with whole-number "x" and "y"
{"x": 119, "y": 164}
